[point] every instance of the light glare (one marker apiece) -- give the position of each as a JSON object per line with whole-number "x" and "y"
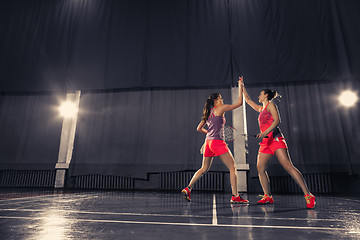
{"x": 68, "y": 109}
{"x": 348, "y": 98}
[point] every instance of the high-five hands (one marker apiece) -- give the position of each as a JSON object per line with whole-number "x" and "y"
{"x": 241, "y": 81}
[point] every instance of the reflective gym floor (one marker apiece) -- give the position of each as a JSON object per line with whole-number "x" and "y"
{"x": 49, "y": 214}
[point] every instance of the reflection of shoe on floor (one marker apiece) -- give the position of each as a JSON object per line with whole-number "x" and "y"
{"x": 267, "y": 209}
{"x": 238, "y": 200}
{"x": 235, "y": 208}
{"x": 238, "y": 208}
{"x": 186, "y": 193}
{"x": 311, "y": 214}
{"x": 310, "y": 200}
{"x": 265, "y": 199}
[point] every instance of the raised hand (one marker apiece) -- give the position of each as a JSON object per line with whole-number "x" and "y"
{"x": 241, "y": 81}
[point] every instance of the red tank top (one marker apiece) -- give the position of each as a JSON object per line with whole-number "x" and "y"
{"x": 265, "y": 120}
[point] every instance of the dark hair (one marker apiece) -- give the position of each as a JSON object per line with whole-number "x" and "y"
{"x": 271, "y": 94}
{"x": 209, "y": 102}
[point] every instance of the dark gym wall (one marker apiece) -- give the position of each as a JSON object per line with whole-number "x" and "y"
{"x": 165, "y": 52}
{"x": 93, "y": 44}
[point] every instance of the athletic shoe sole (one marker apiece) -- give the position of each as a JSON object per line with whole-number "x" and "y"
{"x": 185, "y": 195}
{"x": 265, "y": 203}
{"x": 231, "y": 201}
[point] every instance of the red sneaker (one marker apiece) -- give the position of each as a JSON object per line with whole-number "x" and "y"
{"x": 266, "y": 199}
{"x": 310, "y": 200}
{"x": 186, "y": 194}
{"x": 238, "y": 200}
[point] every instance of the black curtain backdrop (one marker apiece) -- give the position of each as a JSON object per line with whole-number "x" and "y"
{"x": 146, "y": 67}
{"x": 95, "y": 44}
{"x": 30, "y": 128}
{"x": 132, "y": 133}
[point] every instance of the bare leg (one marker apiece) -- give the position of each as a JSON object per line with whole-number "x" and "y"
{"x": 262, "y": 163}
{"x": 283, "y": 156}
{"x": 228, "y": 160}
{"x": 206, "y": 164}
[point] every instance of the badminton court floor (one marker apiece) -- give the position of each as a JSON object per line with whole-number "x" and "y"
{"x": 48, "y": 214}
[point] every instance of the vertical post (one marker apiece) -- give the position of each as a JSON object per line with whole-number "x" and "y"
{"x": 66, "y": 142}
{"x": 239, "y": 122}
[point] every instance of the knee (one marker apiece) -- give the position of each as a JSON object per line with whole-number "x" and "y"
{"x": 203, "y": 170}
{"x": 260, "y": 168}
{"x": 232, "y": 170}
{"x": 289, "y": 168}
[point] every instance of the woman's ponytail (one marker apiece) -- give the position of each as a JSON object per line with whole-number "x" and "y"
{"x": 208, "y": 104}
{"x": 276, "y": 95}
{"x": 272, "y": 94}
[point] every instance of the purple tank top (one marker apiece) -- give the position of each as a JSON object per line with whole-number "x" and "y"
{"x": 215, "y": 126}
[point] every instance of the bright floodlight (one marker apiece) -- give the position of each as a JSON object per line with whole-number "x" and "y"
{"x": 68, "y": 109}
{"x": 348, "y": 98}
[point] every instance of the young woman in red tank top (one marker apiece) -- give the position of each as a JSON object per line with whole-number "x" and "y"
{"x": 214, "y": 118}
{"x": 274, "y": 144}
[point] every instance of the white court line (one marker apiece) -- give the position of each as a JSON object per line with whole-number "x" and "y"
{"x": 104, "y": 213}
{"x": 214, "y": 219}
{"x": 166, "y": 215}
{"x": 356, "y": 231}
{"x": 23, "y": 198}
{"x": 27, "y": 199}
{"x": 349, "y": 199}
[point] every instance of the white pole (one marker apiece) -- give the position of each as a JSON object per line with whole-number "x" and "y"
{"x": 239, "y": 122}
{"x": 66, "y": 141}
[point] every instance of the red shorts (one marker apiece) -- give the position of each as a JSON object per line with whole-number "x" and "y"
{"x": 215, "y": 148}
{"x": 269, "y": 146}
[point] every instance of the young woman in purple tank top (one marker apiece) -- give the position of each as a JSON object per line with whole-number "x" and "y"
{"x": 274, "y": 144}
{"x": 214, "y": 118}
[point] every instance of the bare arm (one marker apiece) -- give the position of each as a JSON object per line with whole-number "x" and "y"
{"x": 252, "y": 104}
{"x": 200, "y": 127}
{"x": 272, "y": 108}
{"x": 227, "y": 107}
